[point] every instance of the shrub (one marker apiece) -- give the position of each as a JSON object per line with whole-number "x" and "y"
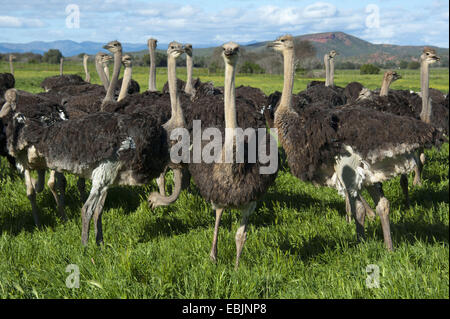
{"x": 369, "y": 69}
{"x": 250, "y": 67}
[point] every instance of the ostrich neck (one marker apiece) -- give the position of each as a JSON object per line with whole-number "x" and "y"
{"x": 61, "y": 62}
{"x": 115, "y": 77}
{"x": 385, "y": 86}
{"x": 288, "y": 85}
{"x": 177, "y": 118}
{"x": 326, "y": 61}
{"x": 424, "y": 82}
{"x": 125, "y": 83}
{"x": 106, "y": 71}
{"x": 152, "y": 70}
{"x": 230, "y": 105}
{"x": 86, "y": 71}
{"x": 101, "y": 74}
{"x": 189, "y": 67}
{"x": 331, "y": 81}
{"x": 11, "y": 67}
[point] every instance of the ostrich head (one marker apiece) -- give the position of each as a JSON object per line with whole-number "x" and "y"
{"x": 230, "y": 52}
{"x": 102, "y": 58}
{"x": 429, "y": 55}
{"x": 151, "y": 43}
{"x": 364, "y": 94}
{"x": 332, "y": 54}
{"x": 392, "y": 76}
{"x": 113, "y": 46}
{"x": 188, "y": 49}
{"x": 86, "y": 56}
{"x": 175, "y": 49}
{"x": 285, "y": 42}
{"x": 126, "y": 60}
{"x": 12, "y": 57}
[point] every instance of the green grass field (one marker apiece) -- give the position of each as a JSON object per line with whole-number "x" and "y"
{"x": 299, "y": 244}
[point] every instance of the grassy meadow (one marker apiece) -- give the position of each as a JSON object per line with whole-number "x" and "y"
{"x": 298, "y": 246}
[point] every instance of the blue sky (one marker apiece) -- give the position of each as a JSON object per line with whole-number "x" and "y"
{"x": 209, "y": 22}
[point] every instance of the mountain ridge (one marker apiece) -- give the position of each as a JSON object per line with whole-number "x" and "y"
{"x": 350, "y": 48}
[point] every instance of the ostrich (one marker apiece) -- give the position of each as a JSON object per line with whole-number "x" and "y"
{"x": 328, "y": 60}
{"x": 11, "y": 66}
{"x": 189, "y": 89}
{"x": 101, "y": 59}
{"x": 86, "y": 71}
{"x": 337, "y": 147}
{"x": 229, "y": 185}
{"x": 61, "y": 64}
{"x": 152, "y": 71}
{"x": 126, "y": 61}
{"x": 45, "y": 112}
{"x": 7, "y": 81}
{"x": 109, "y": 148}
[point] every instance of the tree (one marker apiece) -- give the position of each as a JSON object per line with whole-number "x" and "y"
{"x": 52, "y": 56}
{"x": 250, "y": 67}
{"x": 413, "y": 65}
{"x": 369, "y": 69}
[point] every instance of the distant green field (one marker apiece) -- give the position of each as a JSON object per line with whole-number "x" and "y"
{"x": 299, "y": 244}
{"x": 29, "y": 76}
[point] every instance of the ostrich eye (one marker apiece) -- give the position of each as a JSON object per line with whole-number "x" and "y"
{"x": 282, "y": 40}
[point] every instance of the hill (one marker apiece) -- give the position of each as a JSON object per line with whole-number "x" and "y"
{"x": 349, "y": 47}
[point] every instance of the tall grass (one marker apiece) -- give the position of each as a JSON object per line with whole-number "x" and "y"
{"x": 299, "y": 244}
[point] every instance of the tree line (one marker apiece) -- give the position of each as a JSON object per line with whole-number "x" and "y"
{"x": 260, "y": 61}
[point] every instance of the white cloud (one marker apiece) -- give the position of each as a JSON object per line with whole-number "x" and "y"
{"x": 14, "y": 22}
{"x": 319, "y": 10}
{"x": 245, "y": 21}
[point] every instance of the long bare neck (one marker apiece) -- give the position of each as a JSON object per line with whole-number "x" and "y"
{"x": 61, "y": 62}
{"x": 152, "y": 70}
{"x": 288, "y": 85}
{"x": 331, "y": 62}
{"x": 385, "y": 86}
{"x": 425, "y": 115}
{"x": 101, "y": 74}
{"x": 11, "y": 67}
{"x": 326, "y": 61}
{"x": 86, "y": 71}
{"x": 125, "y": 83}
{"x": 189, "y": 67}
{"x": 106, "y": 71}
{"x": 177, "y": 117}
{"x": 115, "y": 78}
{"x": 230, "y": 104}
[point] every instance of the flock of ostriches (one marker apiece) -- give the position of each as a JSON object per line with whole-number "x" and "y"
{"x": 348, "y": 138}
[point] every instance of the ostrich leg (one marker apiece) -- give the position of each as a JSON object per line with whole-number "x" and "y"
{"x": 376, "y": 191}
{"x": 241, "y": 233}
{"x": 404, "y": 185}
{"x": 161, "y": 181}
{"x": 81, "y": 185}
{"x": 368, "y": 210}
{"x": 98, "y": 217}
{"x": 420, "y": 161}
{"x": 58, "y": 180}
{"x": 358, "y": 212}
{"x": 31, "y": 194}
{"x": 103, "y": 176}
{"x": 213, "y": 254}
